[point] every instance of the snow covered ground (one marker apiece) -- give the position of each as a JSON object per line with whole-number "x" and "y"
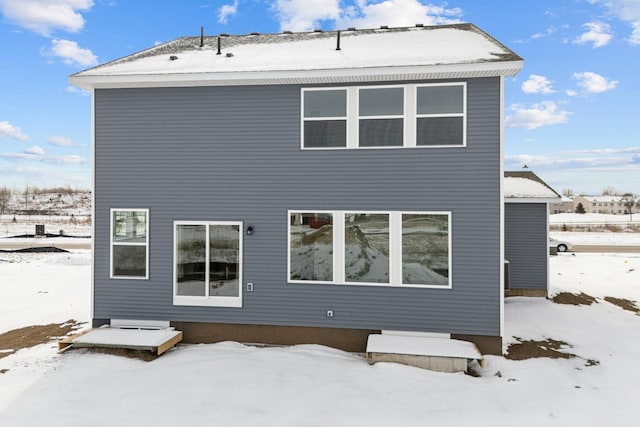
{"x": 230, "y": 384}
{"x": 597, "y": 238}
{"x": 572, "y": 218}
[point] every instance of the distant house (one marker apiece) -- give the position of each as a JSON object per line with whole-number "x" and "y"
{"x": 565, "y": 205}
{"x": 610, "y": 205}
{"x": 307, "y": 187}
{"x": 526, "y": 233}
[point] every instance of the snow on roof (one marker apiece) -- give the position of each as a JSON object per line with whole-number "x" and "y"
{"x": 527, "y": 185}
{"x": 603, "y": 198}
{"x": 454, "y": 50}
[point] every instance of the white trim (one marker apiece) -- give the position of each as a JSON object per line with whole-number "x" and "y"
{"x": 209, "y": 301}
{"x": 340, "y": 249}
{"x": 358, "y": 117}
{"x": 303, "y": 119}
{"x": 409, "y": 117}
{"x": 145, "y": 243}
{"x": 463, "y": 114}
{"x": 395, "y": 248}
{"x": 279, "y": 77}
{"x": 546, "y": 221}
{"x": 335, "y": 255}
{"x": 93, "y": 206}
{"x": 502, "y": 211}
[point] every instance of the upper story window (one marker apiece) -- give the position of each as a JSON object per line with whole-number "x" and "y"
{"x": 413, "y": 115}
{"x": 381, "y": 117}
{"x": 325, "y": 118}
{"x": 440, "y": 115}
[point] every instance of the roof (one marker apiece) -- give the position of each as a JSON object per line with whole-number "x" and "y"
{"x": 526, "y": 186}
{"x": 607, "y": 199}
{"x": 385, "y": 54}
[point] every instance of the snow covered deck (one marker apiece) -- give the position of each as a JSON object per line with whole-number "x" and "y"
{"x": 156, "y": 341}
{"x": 434, "y": 353}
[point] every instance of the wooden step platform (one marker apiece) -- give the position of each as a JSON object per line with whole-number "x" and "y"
{"x": 433, "y": 353}
{"x": 156, "y": 341}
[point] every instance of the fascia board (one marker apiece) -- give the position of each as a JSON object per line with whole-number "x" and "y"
{"x": 244, "y": 78}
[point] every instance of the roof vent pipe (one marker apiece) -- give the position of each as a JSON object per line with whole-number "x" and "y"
{"x": 219, "y": 47}
{"x": 338, "y": 42}
{"x": 201, "y": 36}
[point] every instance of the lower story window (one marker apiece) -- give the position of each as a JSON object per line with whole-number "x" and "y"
{"x": 373, "y": 248}
{"x": 425, "y": 249}
{"x": 311, "y": 246}
{"x": 208, "y": 263}
{"x": 129, "y": 243}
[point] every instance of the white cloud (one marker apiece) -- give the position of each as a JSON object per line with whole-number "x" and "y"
{"x": 81, "y": 92}
{"x": 594, "y": 83}
{"x": 571, "y": 92}
{"x": 61, "y": 141}
{"x": 557, "y": 162}
{"x": 35, "y": 150}
{"x": 634, "y": 38}
{"x": 70, "y": 159}
{"x": 537, "y": 84}
{"x": 627, "y": 11}
{"x": 227, "y": 10}
{"x": 72, "y": 54}
{"x": 44, "y": 16}
{"x": 38, "y": 154}
{"x": 10, "y": 131}
{"x": 605, "y": 151}
{"x": 598, "y": 33}
{"x": 545, "y": 113}
{"x": 546, "y": 33}
{"x": 304, "y": 15}
{"x": 397, "y": 13}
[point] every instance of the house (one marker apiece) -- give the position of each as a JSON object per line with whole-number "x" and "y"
{"x": 565, "y": 205}
{"x": 611, "y": 205}
{"x": 303, "y": 187}
{"x": 526, "y": 233}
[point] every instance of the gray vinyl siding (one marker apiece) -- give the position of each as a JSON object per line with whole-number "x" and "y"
{"x": 526, "y": 245}
{"x": 233, "y": 154}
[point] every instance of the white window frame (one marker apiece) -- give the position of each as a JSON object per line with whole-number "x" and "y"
{"x": 334, "y": 260}
{"x": 113, "y": 243}
{"x": 395, "y": 248}
{"x": 403, "y": 116}
{"x": 208, "y": 301}
{"x": 463, "y": 114}
{"x": 304, "y": 119}
{"x": 410, "y": 116}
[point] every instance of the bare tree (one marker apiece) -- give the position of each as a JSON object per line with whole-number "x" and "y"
{"x": 567, "y": 192}
{"x": 26, "y": 193}
{"x": 5, "y": 195}
{"x": 610, "y": 191}
{"x": 629, "y": 201}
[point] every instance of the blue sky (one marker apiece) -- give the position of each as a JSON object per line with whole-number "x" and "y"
{"x": 570, "y": 115}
